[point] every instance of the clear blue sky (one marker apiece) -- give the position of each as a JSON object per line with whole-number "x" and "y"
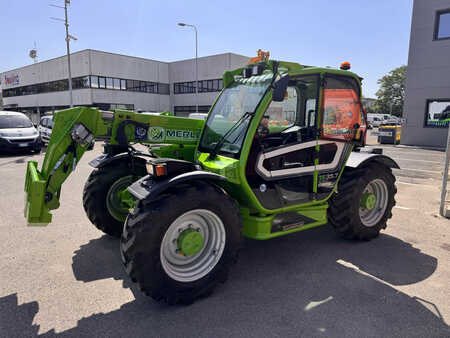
{"x": 372, "y": 35}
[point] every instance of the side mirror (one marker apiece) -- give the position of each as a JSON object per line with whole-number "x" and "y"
{"x": 279, "y": 89}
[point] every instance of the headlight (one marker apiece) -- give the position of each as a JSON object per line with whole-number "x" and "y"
{"x": 6, "y": 134}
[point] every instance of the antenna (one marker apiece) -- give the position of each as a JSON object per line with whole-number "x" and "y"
{"x": 33, "y": 53}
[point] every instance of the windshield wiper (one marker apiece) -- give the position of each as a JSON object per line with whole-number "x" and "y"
{"x": 219, "y": 144}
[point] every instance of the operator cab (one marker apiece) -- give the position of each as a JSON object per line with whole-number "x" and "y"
{"x": 284, "y": 160}
{"x": 293, "y": 146}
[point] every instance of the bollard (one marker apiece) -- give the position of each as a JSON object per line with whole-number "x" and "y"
{"x": 443, "y": 211}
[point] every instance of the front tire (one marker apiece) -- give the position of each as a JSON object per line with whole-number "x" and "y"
{"x": 159, "y": 256}
{"x": 364, "y": 201}
{"x": 100, "y": 200}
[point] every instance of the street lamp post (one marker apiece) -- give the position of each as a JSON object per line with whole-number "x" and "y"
{"x": 196, "y": 63}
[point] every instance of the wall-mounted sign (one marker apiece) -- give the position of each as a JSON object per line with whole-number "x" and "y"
{"x": 10, "y": 80}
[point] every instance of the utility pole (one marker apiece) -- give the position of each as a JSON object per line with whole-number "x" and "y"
{"x": 68, "y": 37}
{"x": 66, "y": 23}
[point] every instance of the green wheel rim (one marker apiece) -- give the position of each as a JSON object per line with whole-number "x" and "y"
{"x": 118, "y": 198}
{"x": 373, "y": 202}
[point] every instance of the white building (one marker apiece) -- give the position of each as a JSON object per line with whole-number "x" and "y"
{"x": 110, "y": 81}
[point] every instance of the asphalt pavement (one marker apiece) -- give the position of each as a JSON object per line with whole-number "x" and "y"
{"x": 67, "y": 278}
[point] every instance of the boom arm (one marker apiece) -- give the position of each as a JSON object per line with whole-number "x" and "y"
{"x": 74, "y": 129}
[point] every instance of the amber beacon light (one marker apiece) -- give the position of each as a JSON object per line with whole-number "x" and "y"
{"x": 345, "y": 65}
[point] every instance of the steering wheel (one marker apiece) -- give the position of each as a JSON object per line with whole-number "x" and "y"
{"x": 288, "y": 137}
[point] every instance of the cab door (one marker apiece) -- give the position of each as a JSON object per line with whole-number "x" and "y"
{"x": 341, "y": 126}
{"x": 281, "y": 165}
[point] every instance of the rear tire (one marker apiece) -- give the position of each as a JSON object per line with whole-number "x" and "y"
{"x": 161, "y": 269}
{"x": 347, "y": 214}
{"x": 97, "y": 195}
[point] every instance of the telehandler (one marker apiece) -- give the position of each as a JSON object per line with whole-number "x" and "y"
{"x": 282, "y": 151}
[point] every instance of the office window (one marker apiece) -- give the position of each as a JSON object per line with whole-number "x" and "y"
{"x": 94, "y": 81}
{"x": 442, "y": 26}
{"x": 101, "y": 82}
{"x": 116, "y": 83}
{"x": 163, "y": 88}
{"x": 437, "y": 113}
{"x": 133, "y": 85}
{"x": 80, "y": 82}
{"x": 215, "y": 85}
{"x": 109, "y": 83}
{"x": 204, "y": 86}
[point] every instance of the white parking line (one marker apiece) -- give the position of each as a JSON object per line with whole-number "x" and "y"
{"x": 422, "y": 170}
{"x": 417, "y": 184}
{"x": 403, "y": 208}
{"x": 415, "y": 160}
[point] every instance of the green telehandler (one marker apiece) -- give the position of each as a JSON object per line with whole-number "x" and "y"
{"x": 282, "y": 150}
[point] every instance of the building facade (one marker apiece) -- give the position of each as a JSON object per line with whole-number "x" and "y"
{"x": 114, "y": 81}
{"x": 428, "y": 75}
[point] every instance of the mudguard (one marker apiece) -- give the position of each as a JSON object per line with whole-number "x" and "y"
{"x": 359, "y": 159}
{"x": 148, "y": 188}
{"x": 106, "y": 159}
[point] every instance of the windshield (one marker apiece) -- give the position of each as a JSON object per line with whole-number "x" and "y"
{"x": 240, "y": 98}
{"x": 14, "y": 121}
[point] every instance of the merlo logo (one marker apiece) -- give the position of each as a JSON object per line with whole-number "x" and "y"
{"x": 156, "y": 134}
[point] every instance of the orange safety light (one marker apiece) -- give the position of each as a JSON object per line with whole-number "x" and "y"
{"x": 345, "y": 65}
{"x": 160, "y": 170}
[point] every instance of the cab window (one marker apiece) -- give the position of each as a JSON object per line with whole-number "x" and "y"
{"x": 341, "y": 108}
{"x": 281, "y": 115}
{"x": 298, "y": 107}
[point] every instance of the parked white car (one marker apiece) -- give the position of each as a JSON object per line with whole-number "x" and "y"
{"x": 199, "y": 116}
{"x": 18, "y": 133}
{"x": 45, "y": 128}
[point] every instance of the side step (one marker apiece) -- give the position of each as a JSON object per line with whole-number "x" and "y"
{"x": 284, "y": 223}
{"x": 290, "y": 220}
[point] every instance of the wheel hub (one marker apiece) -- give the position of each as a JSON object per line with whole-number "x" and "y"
{"x": 368, "y": 201}
{"x": 190, "y": 242}
{"x": 192, "y": 245}
{"x": 373, "y": 203}
{"x": 118, "y": 199}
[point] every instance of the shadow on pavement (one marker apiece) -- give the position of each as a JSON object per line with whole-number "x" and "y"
{"x": 308, "y": 284}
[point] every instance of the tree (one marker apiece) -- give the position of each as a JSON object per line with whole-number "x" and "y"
{"x": 391, "y": 95}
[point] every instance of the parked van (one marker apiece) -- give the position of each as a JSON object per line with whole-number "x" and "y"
{"x": 18, "y": 133}
{"x": 376, "y": 120}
